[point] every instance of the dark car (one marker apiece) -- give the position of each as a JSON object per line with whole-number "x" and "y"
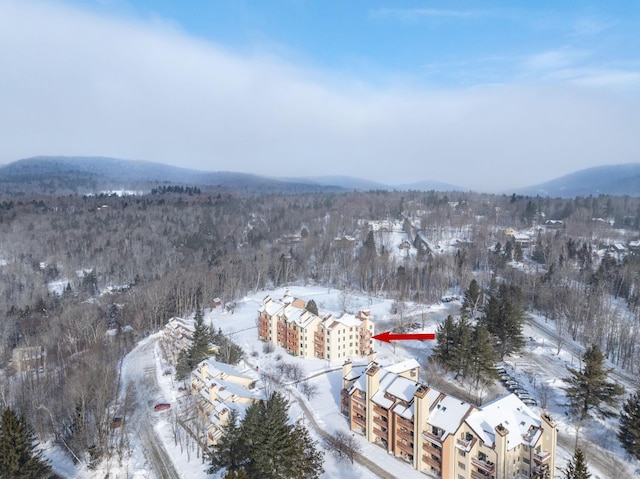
{"x": 162, "y": 406}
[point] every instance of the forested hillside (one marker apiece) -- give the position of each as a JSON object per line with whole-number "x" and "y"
{"x": 84, "y": 277}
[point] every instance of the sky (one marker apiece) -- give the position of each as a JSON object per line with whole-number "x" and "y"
{"x": 489, "y": 96}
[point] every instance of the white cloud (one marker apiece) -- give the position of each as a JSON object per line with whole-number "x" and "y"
{"x": 76, "y": 83}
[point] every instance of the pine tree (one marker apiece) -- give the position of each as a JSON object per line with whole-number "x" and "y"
{"x": 445, "y": 342}
{"x": 589, "y": 389}
{"x": 629, "y": 432}
{"x": 198, "y": 351}
{"x": 266, "y": 446}
{"x": 482, "y": 356}
{"x": 229, "y": 452}
{"x": 503, "y": 318}
{"x": 577, "y": 467}
{"x": 20, "y": 457}
{"x": 473, "y": 299}
{"x": 312, "y": 307}
{"x": 460, "y": 357}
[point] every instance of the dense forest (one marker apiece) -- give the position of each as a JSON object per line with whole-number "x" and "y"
{"x": 85, "y": 277}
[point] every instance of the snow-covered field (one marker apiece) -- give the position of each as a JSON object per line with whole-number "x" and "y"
{"x": 537, "y": 366}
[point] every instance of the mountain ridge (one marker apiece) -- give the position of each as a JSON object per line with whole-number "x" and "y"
{"x": 92, "y": 174}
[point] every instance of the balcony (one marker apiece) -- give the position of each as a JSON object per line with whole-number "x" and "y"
{"x": 406, "y": 448}
{"x": 404, "y": 423}
{"x": 486, "y": 466}
{"x": 428, "y": 435}
{"x": 431, "y": 450}
{"x": 542, "y": 456}
{"x": 359, "y": 421}
{"x": 381, "y": 434}
{"x": 435, "y": 463}
{"x": 358, "y": 408}
{"x": 383, "y": 412}
{"x": 356, "y": 398}
{"x": 465, "y": 444}
{"x": 406, "y": 435}
{"x": 382, "y": 422}
{"x": 479, "y": 475}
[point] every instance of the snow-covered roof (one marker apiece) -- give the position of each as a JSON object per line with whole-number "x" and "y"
{"x": 402, "y": 367}
{"x": 216, "y": 368}
{"x": 348, "y": 320}
{"x": 403, "y": 388}
{"x": 448, "y": 413}
{"x": 404, "y": 411}
{"x": 509, "y": 411}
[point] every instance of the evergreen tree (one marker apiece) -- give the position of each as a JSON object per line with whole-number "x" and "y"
{"x": 473, "y": 299}
{"x": 589, "y": 389}
{"x": 460, "y": 357}
{"x": 312, "y": 307}
{"x": 503, "y": 318}
{"x": 266, "y": 446}
{"x": 228, "y": 351}
{"x": 629, "y": 432}
{"x": 199, "y": 349}
{"x": 577, "y": 466}
{"x": 445, "y": 342}
{"x": 20, "y": 457}
{"x": 229, "y": 452}
{"x": 482, "y": 356}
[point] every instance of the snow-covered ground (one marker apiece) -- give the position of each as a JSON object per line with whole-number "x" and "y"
{"x": 538, "y": 365}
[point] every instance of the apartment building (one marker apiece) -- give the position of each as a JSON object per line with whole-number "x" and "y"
{"x": 219, "y": 388}
{"x": 442, "y": 436}
{"x": 287, "y": 323}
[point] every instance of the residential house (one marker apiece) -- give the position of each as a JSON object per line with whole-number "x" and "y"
{"x": 287, "y": 323}
{"x": 442, "y": 436}
{"x": 29, "y": 358}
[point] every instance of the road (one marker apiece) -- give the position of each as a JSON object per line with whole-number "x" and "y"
{"x": 140, "y": 371}
{"x": 359, "y": 458}
{"x": 602, "y": 459}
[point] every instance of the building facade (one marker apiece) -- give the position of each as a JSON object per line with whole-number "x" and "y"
{"x": 443, "y": 436}
{"x": 287, "y": 323}
{"x": 219, "y": 388}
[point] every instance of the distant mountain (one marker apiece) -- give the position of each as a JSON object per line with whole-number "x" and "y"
{"x": 615, "y": 180}
{"x": 84, "y": 175}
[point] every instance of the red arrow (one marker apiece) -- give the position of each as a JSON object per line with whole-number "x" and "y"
{"x": 387, "y": 337}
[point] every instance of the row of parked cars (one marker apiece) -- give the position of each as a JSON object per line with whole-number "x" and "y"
{"x": 516, "y": 388}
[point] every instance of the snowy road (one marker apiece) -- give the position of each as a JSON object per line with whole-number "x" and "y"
{"x": 140, "y": 372}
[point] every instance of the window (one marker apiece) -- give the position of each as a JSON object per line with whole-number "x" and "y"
{"x": 526, "y": 460}
{"x": 462, "y": 453}
{"x": 461, "y": 465}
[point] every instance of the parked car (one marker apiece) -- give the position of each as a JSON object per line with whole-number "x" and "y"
{"x": 162, "y": 406}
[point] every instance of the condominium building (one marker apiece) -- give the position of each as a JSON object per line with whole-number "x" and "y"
{"x": 219, "y": 388}
{"x": 287, "y": 323}
{"x": 442, "y": 436}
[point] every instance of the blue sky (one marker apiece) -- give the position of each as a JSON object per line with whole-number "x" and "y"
{"x": 486, "y": 95}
